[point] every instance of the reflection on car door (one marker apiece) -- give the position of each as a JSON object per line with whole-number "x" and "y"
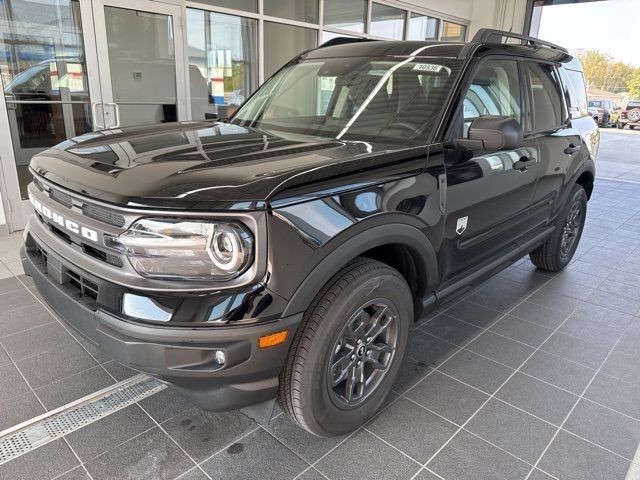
{"x": 485, "y": 194}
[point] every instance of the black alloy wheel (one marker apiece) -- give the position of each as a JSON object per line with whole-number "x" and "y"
{"x": 571, "y": 229}
{"x": 363, "y": 352}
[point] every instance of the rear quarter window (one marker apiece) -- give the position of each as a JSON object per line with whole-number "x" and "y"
{"x": 575, "y": 92}
{"x": 546, "y": 97}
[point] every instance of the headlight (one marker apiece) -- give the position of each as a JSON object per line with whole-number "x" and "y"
{"x": 190, "y": 250}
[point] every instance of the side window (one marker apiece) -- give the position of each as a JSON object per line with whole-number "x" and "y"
{"x": 546, "y": 97}
{"x": 494, "y": 90}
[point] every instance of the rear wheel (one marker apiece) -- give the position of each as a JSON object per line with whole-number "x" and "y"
{"x": 348, "y": 351}
{"x": 558, "y": 250}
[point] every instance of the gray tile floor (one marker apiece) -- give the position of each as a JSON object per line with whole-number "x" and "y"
{"x": 530, "y": 375}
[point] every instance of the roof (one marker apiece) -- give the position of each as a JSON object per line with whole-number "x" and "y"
{"x": 485, "y": 40}
{"x": 384, "y": 48}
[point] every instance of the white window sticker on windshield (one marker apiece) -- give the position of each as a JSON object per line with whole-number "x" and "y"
{"x": 431, "y": 67}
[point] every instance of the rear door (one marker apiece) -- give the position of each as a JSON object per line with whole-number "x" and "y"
{"x": 488, "y": 200}
{"x": 560, "y": 143}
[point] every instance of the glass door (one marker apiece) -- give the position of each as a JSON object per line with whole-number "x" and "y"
{"x": 141, "y": 62}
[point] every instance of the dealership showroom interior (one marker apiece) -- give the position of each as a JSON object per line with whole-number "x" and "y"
{"x": 320, "y": 239}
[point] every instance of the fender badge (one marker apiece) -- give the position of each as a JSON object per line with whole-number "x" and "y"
{"x": 461, "y": 225}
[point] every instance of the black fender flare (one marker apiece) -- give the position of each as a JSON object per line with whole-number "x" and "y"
{"x": 335, "y": 259}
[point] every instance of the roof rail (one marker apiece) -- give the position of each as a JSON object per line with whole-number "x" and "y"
{"x": 489, "y": 35}
{"x": 344, "y": 40}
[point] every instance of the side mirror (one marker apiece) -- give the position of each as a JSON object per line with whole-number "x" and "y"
{"x": 493, "y": 132}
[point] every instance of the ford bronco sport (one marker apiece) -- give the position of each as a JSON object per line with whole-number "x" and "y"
{"x": 287, "y": 252}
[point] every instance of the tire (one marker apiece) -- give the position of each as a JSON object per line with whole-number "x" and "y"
{"x": 620, "y": 126}
{"x": 554, "y": 255}
{"x": 632, "y": 127}
{"x": 307, "y": 392}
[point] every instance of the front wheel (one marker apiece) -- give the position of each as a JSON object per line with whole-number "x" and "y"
{"x": 348, "y": 351}
{"x": 558, "y": 250}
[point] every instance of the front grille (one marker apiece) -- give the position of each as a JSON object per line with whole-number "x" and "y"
{"x": 103, "y": 215}
{"x": 38, "y": 184}
{"x": 107, "y": 257}
{"x": 61, "y": 198}
{"x": 84, "y": 285}
{"x": 73, "y": 283}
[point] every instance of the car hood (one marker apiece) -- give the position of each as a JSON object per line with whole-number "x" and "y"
{"x": 216, "y": 165}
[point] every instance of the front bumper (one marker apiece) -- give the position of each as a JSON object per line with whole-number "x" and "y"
{"x": 181, "y": 356}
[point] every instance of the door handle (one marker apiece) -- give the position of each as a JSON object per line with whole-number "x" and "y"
{"x": 524, "y": 163}
{"x": 94, "y": 113}
{"x": 116, "y": 110}
{"x": 571, "y": 149}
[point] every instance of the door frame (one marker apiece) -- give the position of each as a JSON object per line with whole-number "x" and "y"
{"x": 16, "y": 210}
{"x": 101, "y": 54}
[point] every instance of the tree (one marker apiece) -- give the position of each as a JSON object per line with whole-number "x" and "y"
{"x": 634, "y": 86}
{"x": 601, "y": 71}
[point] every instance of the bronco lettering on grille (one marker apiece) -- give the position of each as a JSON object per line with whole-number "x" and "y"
{"x": 65, "y": 223}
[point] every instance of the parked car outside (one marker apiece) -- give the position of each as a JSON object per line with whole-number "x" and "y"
{"x": 630, "y": 115}
{"x": 288, "y": 252}
{"x": 604, "y": 112}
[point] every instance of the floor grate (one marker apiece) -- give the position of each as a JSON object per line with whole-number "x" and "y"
{"x": 56, "y": 424}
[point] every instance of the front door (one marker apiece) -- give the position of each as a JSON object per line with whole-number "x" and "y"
{"x": 74, "y": 66}
{"x": 489, "y": 196}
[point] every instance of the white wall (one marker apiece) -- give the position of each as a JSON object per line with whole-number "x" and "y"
{"x": 3, "y": 219}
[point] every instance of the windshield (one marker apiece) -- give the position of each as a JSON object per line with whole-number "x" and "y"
{"x": 388, "y": 99}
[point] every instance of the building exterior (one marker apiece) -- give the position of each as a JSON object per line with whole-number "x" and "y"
{"x": 620, "y": 99}
{"x": 70, "y": 67}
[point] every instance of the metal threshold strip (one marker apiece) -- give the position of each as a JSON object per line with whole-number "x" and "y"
{"x": 39, "y": 431}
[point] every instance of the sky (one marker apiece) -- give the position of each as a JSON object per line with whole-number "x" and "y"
{"x": 610, "y": 26}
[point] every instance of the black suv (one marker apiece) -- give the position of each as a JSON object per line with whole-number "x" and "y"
{"x": 287, "y": 252}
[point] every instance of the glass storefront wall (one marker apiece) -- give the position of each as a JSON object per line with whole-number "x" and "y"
{"x": 231, "y": 47}
{"x": 345, "y": 14}
{"x": 301, "y": 10}
{"x": 285, "y": 42}
{"x": 44, "y": 77}
{"x": 387, "y": 22}
{"x": 223, "y": 68}
{"x": 453, "y": 32}
{"x": 422, "y": 27}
